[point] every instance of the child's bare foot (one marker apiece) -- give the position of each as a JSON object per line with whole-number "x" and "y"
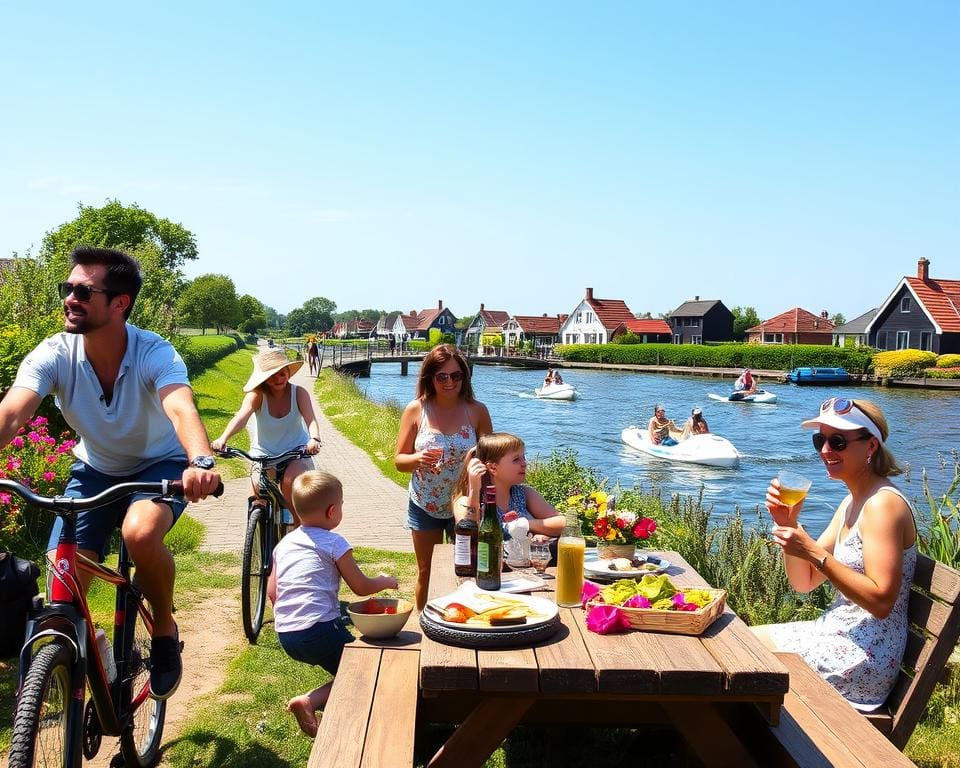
{"x": 302, "y": 709}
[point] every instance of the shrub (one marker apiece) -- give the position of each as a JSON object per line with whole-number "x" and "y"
{"x": 201, "y": 352}
{"x": 902, "y": 363}
{"x": 560, "y": 475}
{"x": 941, "y": 373}
{"x": 948, "y": 361}
{"x": 627, "y": 338}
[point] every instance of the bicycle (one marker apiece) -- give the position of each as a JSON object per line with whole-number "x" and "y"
{"x": 265, "y": 527}
{"x": 54, "y": 722}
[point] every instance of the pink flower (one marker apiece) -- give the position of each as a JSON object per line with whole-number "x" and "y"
{"x": 51, "y": 459}
{"x": 39, "y": 421}
{"x": 13, "y": 463}
{"x": 49, "y": 476}
{"x": 33, "y": 437}
{"x": 637, "y": 601}
{"x": 621, "y": 523}
{"x": 606, "y": 619}
{"x": 17, "y": 442}
{"x": 5, "y": 498}
{"x": 683, "y": 605}
{"x": 47, "y": 440}
{"x": 589, "y": 591}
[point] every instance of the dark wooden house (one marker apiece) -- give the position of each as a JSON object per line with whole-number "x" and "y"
{"x": 697, "y": 322}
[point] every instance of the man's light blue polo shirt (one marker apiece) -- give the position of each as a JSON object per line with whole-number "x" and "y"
{"x": 132, "y": 431}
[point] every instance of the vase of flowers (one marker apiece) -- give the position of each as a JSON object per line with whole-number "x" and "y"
{"x": 618, "y": 531}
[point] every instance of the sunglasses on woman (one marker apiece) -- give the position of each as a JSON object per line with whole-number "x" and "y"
{"x": 836, "y": 441}
{"x": 839, "y": 405}
{"x": 80, "y": 291}
{"x": 442, "y": 377}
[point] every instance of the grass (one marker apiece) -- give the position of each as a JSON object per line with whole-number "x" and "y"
{"x": 369, "y": 426}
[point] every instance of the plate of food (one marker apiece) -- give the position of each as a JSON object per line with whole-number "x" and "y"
{"x": 473, "y": 609}
{"x": 625, "y": 568}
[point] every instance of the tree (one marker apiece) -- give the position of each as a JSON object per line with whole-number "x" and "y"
{"x": 209, "y": 300}
{"x": 252, "y": 316}
{"x": 838, "y": 319}
{"x": 273, "y": 319}
{"x": 316, "y": 314}
{"x": 743, "y": 318}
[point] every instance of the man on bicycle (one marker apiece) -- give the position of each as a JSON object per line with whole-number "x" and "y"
{"x": 125, "y": 392}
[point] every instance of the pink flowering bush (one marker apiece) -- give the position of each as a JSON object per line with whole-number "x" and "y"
{"x": 41, "y": 462}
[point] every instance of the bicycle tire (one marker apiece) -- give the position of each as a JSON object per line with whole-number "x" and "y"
{"x": 140, "y": 739}
{"x": 253, "y": 582}
{"x": 42, "y": 721}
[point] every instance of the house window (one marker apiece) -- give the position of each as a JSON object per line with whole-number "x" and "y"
{"x": 678, "y": 322}
{"x": 693, "y": 322}
{"x": 589, "y": 317}
{"x": 926, "y": 341}
{"x": 678, "y": 338}
{"x": 905, "y": 304}
{"x": 903, "y": 339}
{"x": 696, "y": 339}
{"x": 773, "y": 338}
{"x": 881, "y": 339}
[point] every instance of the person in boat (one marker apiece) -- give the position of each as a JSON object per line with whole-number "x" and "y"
{"x": 557, "y": 378}
{"x": 744, "y": 385}
{"x": 660, "y": 426}
{"x": 868, "y": 553}
{"x": 695, "y": 425}
{"x": 548, "y": 379}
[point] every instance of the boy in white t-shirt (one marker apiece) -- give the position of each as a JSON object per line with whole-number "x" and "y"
{"x": 304, "y": 584}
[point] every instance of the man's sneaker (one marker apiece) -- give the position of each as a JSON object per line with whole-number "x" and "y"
{"x": 166, "y": 669}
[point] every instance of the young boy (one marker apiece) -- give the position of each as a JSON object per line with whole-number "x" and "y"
{"x": 305, "y": 581}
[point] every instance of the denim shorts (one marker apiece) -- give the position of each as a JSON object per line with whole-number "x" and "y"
{"x": 95, "y": 526}
{"x": 419, "y": 520}
{"x": 320, "y": 645}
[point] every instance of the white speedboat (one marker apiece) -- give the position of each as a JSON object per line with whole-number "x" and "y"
{"x": 709, "y": 449}
{"x": 760, "y": 396}
{"x": 556, "y": 392}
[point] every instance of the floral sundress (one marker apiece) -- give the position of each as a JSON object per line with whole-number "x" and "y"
{"x": 431, "y": 490}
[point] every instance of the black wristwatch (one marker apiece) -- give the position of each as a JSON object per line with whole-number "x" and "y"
{"x": 203, "y": 462}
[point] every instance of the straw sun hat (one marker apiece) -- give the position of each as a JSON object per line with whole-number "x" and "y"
{"x": 267, "y": 363}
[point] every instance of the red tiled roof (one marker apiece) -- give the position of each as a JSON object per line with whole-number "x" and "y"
{"x": 538, "y": 324}
{"x": 494, "y": 317}
{"x": 411, "y": 322}
{"x": 648, "y": 327}
{"x": 796, "y": 320}
{"x": 941, "y": 298}
{"x": 611, "y": 312}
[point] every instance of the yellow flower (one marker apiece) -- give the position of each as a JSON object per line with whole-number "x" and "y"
{"x": 575, "y": 501}
{"x": 611, "y": 534}
{"x": 599, "y": 498}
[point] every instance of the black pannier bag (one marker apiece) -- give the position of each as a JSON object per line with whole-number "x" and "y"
{"x": 18, "y": 585}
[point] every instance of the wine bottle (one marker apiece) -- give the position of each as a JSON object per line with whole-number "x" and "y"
{"x": 489, "y": 543}
{"x": 465, "y": 544}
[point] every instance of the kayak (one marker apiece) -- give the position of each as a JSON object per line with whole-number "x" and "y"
{"x": 709, "y": 449}
{"x": 760, "y": 396}
{"x": 556, "y": 392}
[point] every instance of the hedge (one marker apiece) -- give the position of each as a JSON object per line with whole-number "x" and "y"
{"x": 761, "y": 356}
{"x": 201, "y": 352}
{"x": 903, "y": 363}
{"x": 941, "y": 373}
{"x": 948, "y": 361}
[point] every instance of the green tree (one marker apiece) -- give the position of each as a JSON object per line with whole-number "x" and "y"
{"x": 743, "y": 318}
{"x": 838, "y": 319}
{"x": 316, "y": 314}
{"x": 273, "y": 319}
{"x": 209, "y": 300}
{"x": 253, "y": 318}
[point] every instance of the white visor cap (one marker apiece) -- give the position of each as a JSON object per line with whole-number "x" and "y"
{"x": 851, "y": 420}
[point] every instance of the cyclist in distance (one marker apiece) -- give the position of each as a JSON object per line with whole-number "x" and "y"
{"x": 126, "y": 394}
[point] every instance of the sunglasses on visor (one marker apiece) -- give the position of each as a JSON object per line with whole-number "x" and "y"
{"x": 836, "y": 441}
{"x": 442, "y": 376}
{"x": 80, "y": 291}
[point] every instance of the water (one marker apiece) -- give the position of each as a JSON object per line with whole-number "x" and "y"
{"x": 925, "y": 427}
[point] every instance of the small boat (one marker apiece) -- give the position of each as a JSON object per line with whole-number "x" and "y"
{"x": 709, "y": 449}
{"x": 819, "y": 376}
{"x": 760, "y": 396}
{"x": 556, "y": 392}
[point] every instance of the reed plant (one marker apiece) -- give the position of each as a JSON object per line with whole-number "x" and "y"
{"x": 940, "y": 532}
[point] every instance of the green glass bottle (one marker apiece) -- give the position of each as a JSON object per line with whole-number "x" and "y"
{"x": 489, "y": 543}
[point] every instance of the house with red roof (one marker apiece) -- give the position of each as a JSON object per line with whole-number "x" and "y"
{"x": 543, "y": 330}
{"x": 649, "y": 330}
{"x": 417, "y": 325}
{"x": 921, "y": 313}
{"x": 485, "y": 322}
{"x": 596, "y": 321}
{"x": 795, "y": 326}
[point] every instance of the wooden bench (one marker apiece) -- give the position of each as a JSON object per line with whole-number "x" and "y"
{"x": 371, "y": 717}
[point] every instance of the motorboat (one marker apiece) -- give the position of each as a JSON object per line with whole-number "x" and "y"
{"x": 556, "y": 392}
{"x": 709, "y": 449}
{"x": 819, "y": 376}
{"x": 760, "y": 396}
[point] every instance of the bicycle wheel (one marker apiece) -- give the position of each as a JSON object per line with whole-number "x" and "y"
{"x": 140, "y": 739}
{"x": 253, "y": 584}
{"x": 42, "y": 721}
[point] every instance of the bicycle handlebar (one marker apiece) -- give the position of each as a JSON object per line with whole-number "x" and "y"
{"x": 230, "y": 451}
{"x": 63, "y": 503}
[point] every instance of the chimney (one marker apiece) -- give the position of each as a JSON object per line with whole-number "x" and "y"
{"x": 439, "y": 303}
{"x": 825, "y": 315}
{"x": 544, "y": 314}
{"x": 589, "y": 294}
{"x": 696, "y": 298}
{"x": 481, "y": 306}
{"x": 413, "y": 313}
{"x": 923, "y": 269}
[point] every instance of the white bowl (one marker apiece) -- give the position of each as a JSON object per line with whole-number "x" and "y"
{"x": 379, "y": 626}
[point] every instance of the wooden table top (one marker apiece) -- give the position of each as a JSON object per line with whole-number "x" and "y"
{"x": 725, "y": 663}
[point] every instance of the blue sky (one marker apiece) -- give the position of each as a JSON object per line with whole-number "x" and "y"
{"x": 389, "y": 155}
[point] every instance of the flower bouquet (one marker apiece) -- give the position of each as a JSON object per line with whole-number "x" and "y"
{"x": 618, "y": 531}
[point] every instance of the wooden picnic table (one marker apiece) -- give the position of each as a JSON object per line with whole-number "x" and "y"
{"x": 696, "y": 684}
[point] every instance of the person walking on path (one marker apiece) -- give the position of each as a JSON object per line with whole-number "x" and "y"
{"x": 125, "y": 392}
{"x": 313, "y": 357}
{"x": 437, "y": 429}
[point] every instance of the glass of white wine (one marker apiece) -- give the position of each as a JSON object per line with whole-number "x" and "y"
{"x": 794, "y": 487}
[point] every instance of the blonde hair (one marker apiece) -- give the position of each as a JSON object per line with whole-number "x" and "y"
{"x": 315, "y": 491}
{"x": 489, "y": 449}
{"x": 883, "y": 463}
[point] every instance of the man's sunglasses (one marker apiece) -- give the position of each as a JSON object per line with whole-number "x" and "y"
{"x": 443, "y": 376}
{"x": 80, "y": 291}
{"x": 837, "y": 441}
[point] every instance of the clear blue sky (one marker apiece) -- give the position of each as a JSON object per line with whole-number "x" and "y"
{"x": 771, "y": 154}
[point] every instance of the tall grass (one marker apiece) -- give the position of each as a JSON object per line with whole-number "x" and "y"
{"x": 940, "y": 532}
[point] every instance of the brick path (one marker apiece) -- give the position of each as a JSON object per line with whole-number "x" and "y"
{"x": 374, "y": 510}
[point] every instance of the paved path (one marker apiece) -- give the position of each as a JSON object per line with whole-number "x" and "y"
{"x": 374, "y": 510}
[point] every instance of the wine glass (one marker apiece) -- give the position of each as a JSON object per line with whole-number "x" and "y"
{"x": 540, "y": 557}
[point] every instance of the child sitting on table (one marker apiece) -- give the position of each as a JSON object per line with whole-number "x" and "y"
{"x": 304, "y": 586}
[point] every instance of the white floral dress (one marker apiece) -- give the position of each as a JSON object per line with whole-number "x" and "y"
{"x": 431, "y": 490}
{"x": 850, "y": 648}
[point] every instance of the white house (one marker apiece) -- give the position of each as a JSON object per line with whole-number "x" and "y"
{"x": 594, "y": 321}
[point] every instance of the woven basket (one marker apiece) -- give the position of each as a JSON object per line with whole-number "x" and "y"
{"x": 675, "y": 622}
{"x": 612, "y": 551}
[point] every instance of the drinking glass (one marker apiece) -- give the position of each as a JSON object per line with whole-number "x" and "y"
{"x": 793, "y": 487}
{"x": 540, "y": 557}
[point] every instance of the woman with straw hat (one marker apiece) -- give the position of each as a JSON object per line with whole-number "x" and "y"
{"x": 283, "y": 417}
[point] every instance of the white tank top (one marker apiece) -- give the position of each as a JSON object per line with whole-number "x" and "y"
{"x": 270, "y": 436}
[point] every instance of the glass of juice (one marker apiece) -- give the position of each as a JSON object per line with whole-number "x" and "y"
{"x": 794, "y": 487}
{"x": 570, "y": 550}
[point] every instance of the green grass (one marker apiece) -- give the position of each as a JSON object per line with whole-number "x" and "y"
{"x": 369, "y": 426}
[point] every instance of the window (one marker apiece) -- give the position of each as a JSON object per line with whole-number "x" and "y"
{"x": 579, "y": 317}
{"x": 590, "y": 338}
{"x": 903, "y": 339}
{"x": 905, "y": 304}
{"x": 696, "y": 339}
{"x": 881, "y": 339}
{"x": 773, "y": 338}
{"x": 693, "y": 322}
{"x": 677, "y": 322}
{"x": 589, "y": 317}
{"x": 926, "y": 341}
{"x": 678, "y": 338}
